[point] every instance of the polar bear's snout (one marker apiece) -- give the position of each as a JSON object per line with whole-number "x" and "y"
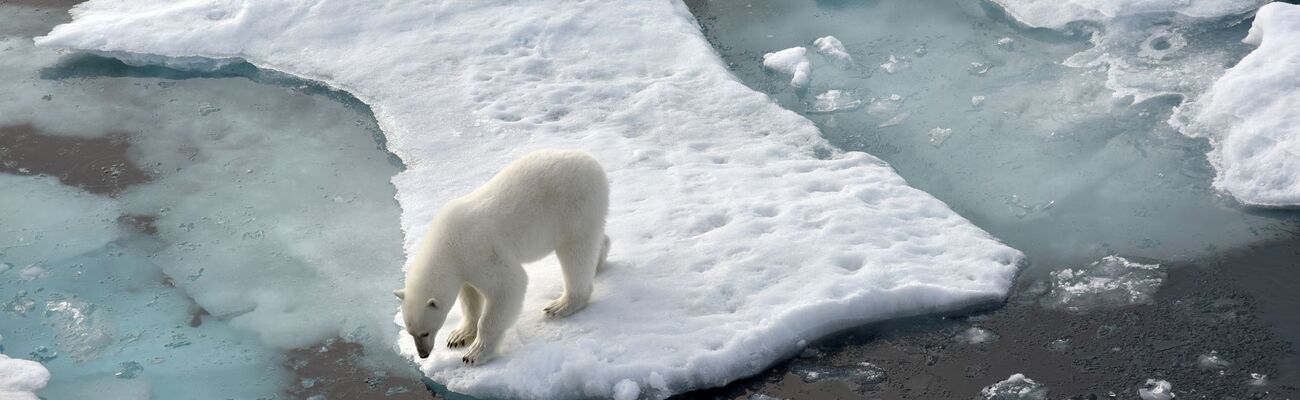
{"x": 422, "y": 346}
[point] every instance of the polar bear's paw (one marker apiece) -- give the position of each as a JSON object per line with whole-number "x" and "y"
{"x": 461, "y": 337}
{"x": 477, "y": 354}
{"x": 563, "y": 307}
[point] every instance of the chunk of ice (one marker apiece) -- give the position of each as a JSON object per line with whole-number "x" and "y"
{"x": 1111, "y": 282}
{"x": 834, "y": 101}
{"x": 976, "y": 335}
{"x": 1212, "y": 361}
{"x": 833, "y": 49}
{"x": 939, "y": 135}
{"x": 793, "y": 62}
{"x": 861, "y": 376}
{"x": 1156, "y": 389}
{"x": 1015, "y": 387}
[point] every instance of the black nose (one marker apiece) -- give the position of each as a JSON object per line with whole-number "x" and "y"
{"x": 422, "y": 348}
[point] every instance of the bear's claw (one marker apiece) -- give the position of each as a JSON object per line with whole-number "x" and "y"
{"x": 562, "y": 307}
{"x": 476, "y": 354}
{"x": 460, "y": 338}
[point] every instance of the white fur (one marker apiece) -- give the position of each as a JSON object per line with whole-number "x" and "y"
{"x": 547, "y": 201}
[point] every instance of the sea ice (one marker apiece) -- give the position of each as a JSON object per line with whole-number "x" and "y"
{"x": 1212, "y": 361}
{"x": 861, "y": 376}
{"x": 793, "y": 62}
{"x": 20, "y": 379}
{"x": 1111, "y": 282}
{"x": 1015, "y": 387}
{"x": 1156, "y": 389}
{"x": 1057, "y": 14}
{"x": 833, "y": 49}
{"x": 1249, "y": 115}
{"x": 834, "y": 101}
{"x": 976, "y": 335}
{"x": 733, "y": 223}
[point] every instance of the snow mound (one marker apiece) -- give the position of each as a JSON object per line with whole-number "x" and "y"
{"x": 1056, "y": 14}
{"x": 20, "y": 379}
{"x": 737, "y": 233}
{"x": 792, "y": 61}
{"x": 1249, "y": 115}
{"x": 1111, "y": 282}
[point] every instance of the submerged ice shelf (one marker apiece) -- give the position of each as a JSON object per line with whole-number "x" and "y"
{"x": 1069, "y": 163}
{"x": 734, "y": 225}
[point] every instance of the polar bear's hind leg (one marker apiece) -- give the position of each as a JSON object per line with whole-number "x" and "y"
{"x": 578, "y": 262}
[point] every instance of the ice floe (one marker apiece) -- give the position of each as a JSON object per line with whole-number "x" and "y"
{"x": 1057, "y": 14}
{"x": 1249, "y": 115}
{"x": 833, "y": 49}
{"x": 1111, "y": 282}
{"x": 737, "y": 232}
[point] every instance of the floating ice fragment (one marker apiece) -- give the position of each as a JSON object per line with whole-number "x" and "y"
{"x": 834, "y": 101}
{"x": 977, "y": 102}
{"x": 833, "y": 49}
{"x": 626, "y": 390}
{"x": 1212, "y": 361}
{"x": 1257, "y": 379}
{"x": 939, "y": 135}
{"x": 976, "y": 335}
{"x": 1111, "y": 282}
{"x": 761, "y": 396}
{"x": 5, "y": 267}
{"x": 978, "y": 68}
{"x": 128, "y": 370}
{"x": 19, "y": 305}
{"x": 78, "y": 330}
{"x": 792, "y": 61}
{"x": 861, "y": 376}
{"x": 31, "y": 272}
{"x": 1016, "y": 387}
{"x": 896, "y": 63}
{"x": 207, "y": 108}
{"x": 43, "y": 354}
{"x": 1006, "y": 43}
{"x": 895, "y": 120}
{"x": 1156, "y": 389}
{"x": 1059, "y": 345}
{"x": 20, "y": 379}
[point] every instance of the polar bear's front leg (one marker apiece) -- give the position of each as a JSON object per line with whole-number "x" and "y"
{"x": 471, "y": 308}
{"x": 501, "y": 304}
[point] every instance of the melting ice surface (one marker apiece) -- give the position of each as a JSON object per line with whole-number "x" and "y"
{"x": 190, "y": 278}
{"x": 1033, "y": 134}
{"x": 738, "y": 233}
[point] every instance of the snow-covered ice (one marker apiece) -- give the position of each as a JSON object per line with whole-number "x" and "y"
{"x": 728, "y": 227}
{"x": 1057, "y": 14}
{"x": 20, "y": 379}
{"x": 1156, "y": 389}
{"x": 1249, "y": 115}
{"x": 1110, "y": 282}
{"x": 1015, "y": 387}
{"x": 793, "y": 62}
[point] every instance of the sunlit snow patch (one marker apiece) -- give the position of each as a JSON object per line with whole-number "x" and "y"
{"x": 737, "y": 232}
{"x": 1250, "y": 115}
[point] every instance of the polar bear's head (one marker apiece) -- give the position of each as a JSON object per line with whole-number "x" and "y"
{"x": 423, "y": 318}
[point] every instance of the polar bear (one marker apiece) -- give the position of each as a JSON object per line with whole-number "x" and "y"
{"x": 549, "y": 200}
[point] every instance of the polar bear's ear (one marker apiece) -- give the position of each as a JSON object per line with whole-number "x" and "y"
{"x": 400, "y": 293}
{"x": 433, "y": 304}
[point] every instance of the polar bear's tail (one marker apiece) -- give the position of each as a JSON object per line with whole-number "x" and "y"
{"x": 604, "y": 252}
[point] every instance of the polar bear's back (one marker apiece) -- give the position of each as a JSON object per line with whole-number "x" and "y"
{"x": 543, "y": 198}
